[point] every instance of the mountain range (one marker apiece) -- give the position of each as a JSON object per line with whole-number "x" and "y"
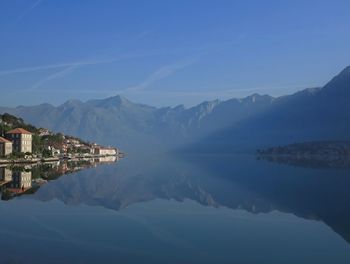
{"x": 309, "y": 115}
{"x": 257, "y": 120}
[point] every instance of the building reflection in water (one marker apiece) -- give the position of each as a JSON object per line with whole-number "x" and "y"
{"x": 5, "y": 175}
{"x": 107, "y": 159}
{"x": 17, "y": 180}
{"x": 21, "y": 181}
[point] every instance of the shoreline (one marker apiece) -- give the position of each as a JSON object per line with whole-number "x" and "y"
{"x": 52, "y": 159}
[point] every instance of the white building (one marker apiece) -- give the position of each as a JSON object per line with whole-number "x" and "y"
{"x": 98, "y": 150}
{"x": 5, "y": 147}
{"x": 21, "y": 140}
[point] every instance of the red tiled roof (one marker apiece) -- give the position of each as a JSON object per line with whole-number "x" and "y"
{"x": 18, "y": 131}
{"x": 4, "y": 140}
{"x": 18, "y": 190}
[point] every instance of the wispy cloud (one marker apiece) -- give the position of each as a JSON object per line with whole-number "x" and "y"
{"x": 79, "y": 63}
{"x": 63, "y": 69}
{"x": 55, "y": 75}
{"x": 26, "y": 12}
{"x": 143, "y": 34}
{"x": 54, "y": 66}
{"x": 162, "y": 73}
{"x": 67, "y": 69}
{"x": 34, "y": 5}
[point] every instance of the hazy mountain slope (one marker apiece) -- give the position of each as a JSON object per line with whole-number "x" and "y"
{"x": 312, "y": 114}
{"x": 114, "y": 121}
{"x": 235, "y": 110}
{"x": 117, "y": 121}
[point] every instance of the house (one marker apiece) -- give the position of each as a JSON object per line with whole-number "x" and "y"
{"x": 44, "y": 132}
{"x": 60, "y": 147}
{"x": 5, "y": 147}
{"x": 21, "y": 140}
{"x": 54, "y": 151}
{"x": 102, "y": 151}
{"x": 63, "y": 148}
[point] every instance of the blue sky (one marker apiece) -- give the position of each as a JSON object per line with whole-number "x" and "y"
{"x": 168, "y": 52}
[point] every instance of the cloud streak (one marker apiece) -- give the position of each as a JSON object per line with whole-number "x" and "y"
{"x": 68, "y": 68}
{"x": 143, "y": 34}
{"x": 161, "y": 73}
{"x": 54, "y": 66}
{"x": 76, "y": 63}
{"x": 50, "y": 77}
{"x": 33, "y": 6}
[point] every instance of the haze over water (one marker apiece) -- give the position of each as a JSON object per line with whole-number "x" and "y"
{"x": 182, "y": 209}
{"x": 175, "y": 132}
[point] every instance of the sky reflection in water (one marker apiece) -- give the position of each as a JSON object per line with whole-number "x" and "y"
{"x": 189, "y": 209}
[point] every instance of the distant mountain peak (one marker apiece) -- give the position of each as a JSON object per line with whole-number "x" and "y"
{"x": 179, "y": 107}
{"x": 208, "y": 106}
{"x": 114, "y": 101}
{"x": 255, "y": 98}
{"x": 308, "y": 91}
{"x": 343, "y": 75}
{"x": 43, "y": 105}
{"x": 340, "y": 84}
{"x": 210, "y": 103}
{"x": 346, "y": 70}
{"x": 72, "y": 103}
{"x": 118, "y": 99}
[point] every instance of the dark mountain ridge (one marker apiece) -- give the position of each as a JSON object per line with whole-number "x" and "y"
{"x": 310, "y": 115}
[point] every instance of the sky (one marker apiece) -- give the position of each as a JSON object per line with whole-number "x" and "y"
{"x": 168, "y": 52}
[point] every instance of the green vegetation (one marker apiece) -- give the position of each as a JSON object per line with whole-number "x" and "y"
{"x": 16, "y": 155}
{"x": 43, "y": 141}
{"x": 8, "y": 122}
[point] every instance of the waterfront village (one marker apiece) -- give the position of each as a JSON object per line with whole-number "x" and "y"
{"x": 30, "y": 156}
{"x": 19, "y": 145}
{"x": 20, "y": 142}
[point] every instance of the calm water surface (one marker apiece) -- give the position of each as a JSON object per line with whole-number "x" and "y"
{"x": 188, "y": 209}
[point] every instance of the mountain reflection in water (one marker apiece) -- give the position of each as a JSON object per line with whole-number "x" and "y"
{"x": 233, "y": 181}
{"x": 240, "y": 184}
